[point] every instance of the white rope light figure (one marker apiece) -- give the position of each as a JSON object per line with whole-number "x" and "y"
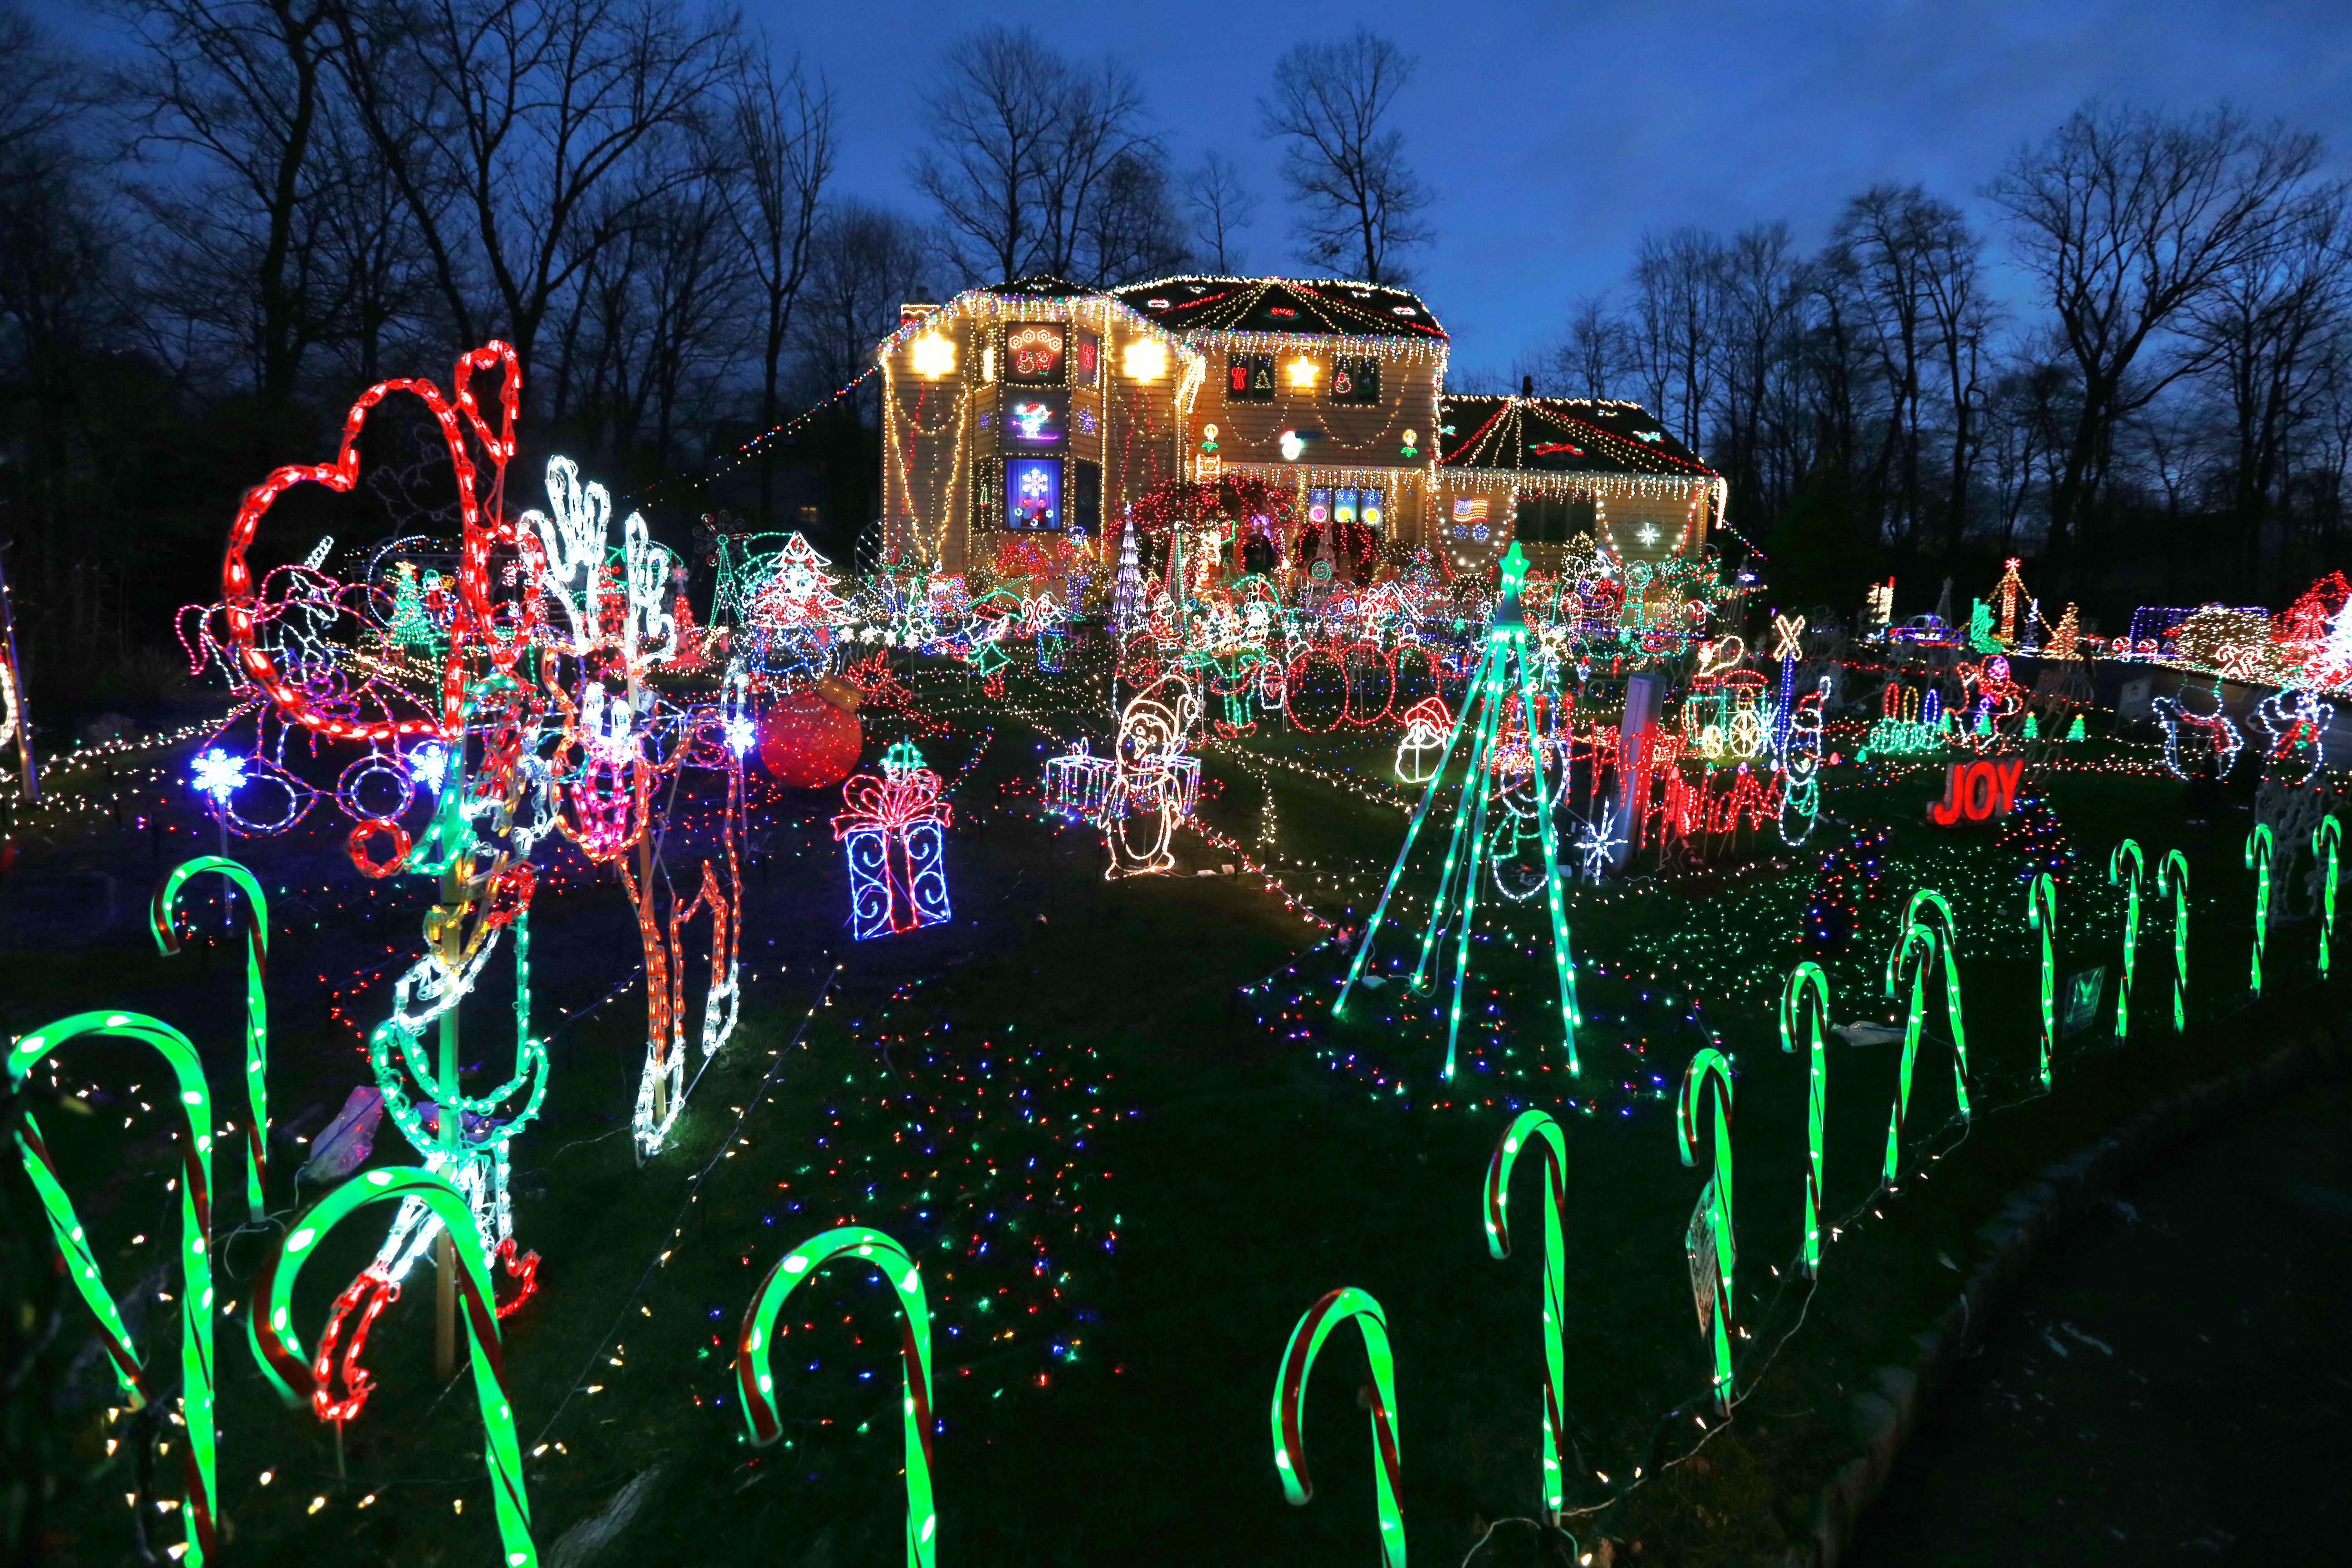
{"x": 1151, "y": 778}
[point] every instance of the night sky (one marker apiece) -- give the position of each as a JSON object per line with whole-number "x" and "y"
{"x": 1554, "y": 135}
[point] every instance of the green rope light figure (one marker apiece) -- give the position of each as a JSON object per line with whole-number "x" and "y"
{"x": 2042, "y": 914}
{"x": 1505, "y": 667}
{"x": 195, "y": 1107}
{"x": 2326, "y": 842}
{"x": 296, "y": 1377}
{"x": 1534, "y": 1129}
{"x": 1919, "y": 947}
{"x": 1289, "y": 1418}
{"x": 1714, "y": 1209}
{"x": 163, "y": 918}
{"x": 1805, "y": 1009}
{"x": 2172, "y": 882}
{"x": 2260, "y": 847}
{"x": 2128, "y": 850}
{"x": 757, "y": 1385}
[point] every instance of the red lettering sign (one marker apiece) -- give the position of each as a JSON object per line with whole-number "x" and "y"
{"x": 1978, "y": 792}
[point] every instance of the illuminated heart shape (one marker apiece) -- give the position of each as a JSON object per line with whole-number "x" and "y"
{"x": 475, "y": 619}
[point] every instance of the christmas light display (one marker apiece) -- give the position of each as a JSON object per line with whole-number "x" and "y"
{"x": 192, "y": 1101}
{"x": 1505, "y": 672}
{"x": 891, "y": 832}
{"x": 1805, "y": 1010}
{"x": 756, "y": 1385}
{"x": 162, "y": 915}
{"x": 2261, "y": 845}
{"x": 2326, "y": 844}
{"x": 1345, "y": 1304}
{"x": 1709, "y": 1242}
{"x": 279, "y": 1347}
{"x": 1152, "y": 779}
{"x": 1533, "y": 1128}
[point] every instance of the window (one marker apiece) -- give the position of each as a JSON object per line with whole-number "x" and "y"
{"x": 808, "y": 517}
{"x": 1035, "y": 420}
{"x": 1088, "y": 361}
{"x": 1033, "y": 494}
{"x": 1249, "y": 378}
{"x": 1553, "y": 520}
{"x": 1355, "y": 379}
{"x": 1085, "y": 496}
{"x": 1034, "y": 353}
{"x": 987, "y": 494}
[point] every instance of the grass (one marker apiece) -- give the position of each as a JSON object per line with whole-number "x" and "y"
{"x": 1122, "y": 1213}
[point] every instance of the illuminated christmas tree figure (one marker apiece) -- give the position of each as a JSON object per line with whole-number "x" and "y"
{"x": 2061, "y": 641}
{"x": 409, "y": 625}
{"x": 799, "y": 589}
{"x": 2007, "y": 593}
{"x": 1507, "y": 669}
{"x": 1127, "y": 588}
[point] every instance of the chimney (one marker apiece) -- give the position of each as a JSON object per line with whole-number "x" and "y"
{"x": 1527, "y": 386}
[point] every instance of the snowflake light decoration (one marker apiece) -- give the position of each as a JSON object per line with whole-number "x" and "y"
{"x": 218, "y": 775}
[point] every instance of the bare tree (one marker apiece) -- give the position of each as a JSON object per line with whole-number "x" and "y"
{"x": 1678, "y": 284}
{"x": 243, "y": 85}
{"x": 2130, "y": 219}
{"x": 1219, "y": 204}
{"x": 1098, "y": 176}
{"x": 783, "y": 130}
{"x": 1358, "y": 201}
{"x": 1131, "y": 231}
{"x": 867, "y": 262}
{"x": 1593, "y": 355}
{"x": 499, "y": 121}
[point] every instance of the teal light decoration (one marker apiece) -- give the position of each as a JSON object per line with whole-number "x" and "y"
{"x": 757, "y": 1385}
{"x": 2042, "y": 914}
{"x": 1923, "y": 944}
{"x": 1534, "y": 1129}
{"x": 2326, "y": 844}
{"x": 2126, "y": 850}
{"x": 1805, "y": 1010}
{"x": 2260, "y": 846}
{"x": 1507, "y": 665}
{"x": 162, "y": 918}
{"x": 1713, "y": 1214}
{"x": 278, "y": 1348}
{"x": 193, "y": 1103}
{"x": 2172, "y": 882}
{"x": 1289, "y": 1419}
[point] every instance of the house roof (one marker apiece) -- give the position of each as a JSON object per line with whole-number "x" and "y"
{"x": 1331, "y": 308}
{"x": 1559, "y": 436}
{"x": 1037, "y": 286}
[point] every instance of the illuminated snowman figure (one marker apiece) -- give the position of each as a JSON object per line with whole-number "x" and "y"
{"x": 1152, "y": 779}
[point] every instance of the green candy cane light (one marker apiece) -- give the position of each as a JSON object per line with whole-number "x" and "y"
{"x": 2129, "y": 850}
{"x": 2327, "y": 844}
{"x": 1503, "y": 669}
{"x": 196, "y": 1108}
{"x": 163, "y": 919}
{"x": 2042, "y": 915}
{"x": 1533, "y": 1128}
{"x": 1921, "y": 945}
{"x": 1713, "y": 1211}
{"x": 2172, "y": 882}
{"x": 1289, "y": 1418}
{"x": 758, "y": 1386}
{"x": 1805, "y": 1009}
{"x": 296, "y": 1376}
{"x": 2260, "y": 847}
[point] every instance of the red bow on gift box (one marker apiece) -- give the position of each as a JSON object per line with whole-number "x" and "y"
{"x": 891, "y": 803}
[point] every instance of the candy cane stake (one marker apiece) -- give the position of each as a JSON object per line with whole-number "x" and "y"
{"x": 298, "y": 1377}
{"x": 1712, "y": 1067}
{"x": 757, "y": 1385}
{"x": 2128, "y": 849}
{"x": 163, "y": 917}
{"x": 1289, "y": 1418}
{"x": 2172, "y": 882}
{"x": 2260, "y": 847}
{"x": 2328, "y": 839}
{"x": 1534, "y": 1128}
{"x": 2042, "y": 914}
{"x": 1919, "y": 947}
{"x": 196, "y": 1108}
{"x": 1805, "y": 1008}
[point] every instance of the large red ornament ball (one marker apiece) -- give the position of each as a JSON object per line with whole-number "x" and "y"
{"x": 808, "y": 743}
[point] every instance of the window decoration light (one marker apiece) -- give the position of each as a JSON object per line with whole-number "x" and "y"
{"x": 1144, "y": 359}
{"x": 933, "y": 356}
{"x": 1534, "y": 1128}
{"x": 756, "y": 1345}
{"x": 1303, "y": 373}
{"x": 1345, "y": 1304}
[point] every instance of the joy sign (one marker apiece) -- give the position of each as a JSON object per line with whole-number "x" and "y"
{"x": 1978, "y": 791}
